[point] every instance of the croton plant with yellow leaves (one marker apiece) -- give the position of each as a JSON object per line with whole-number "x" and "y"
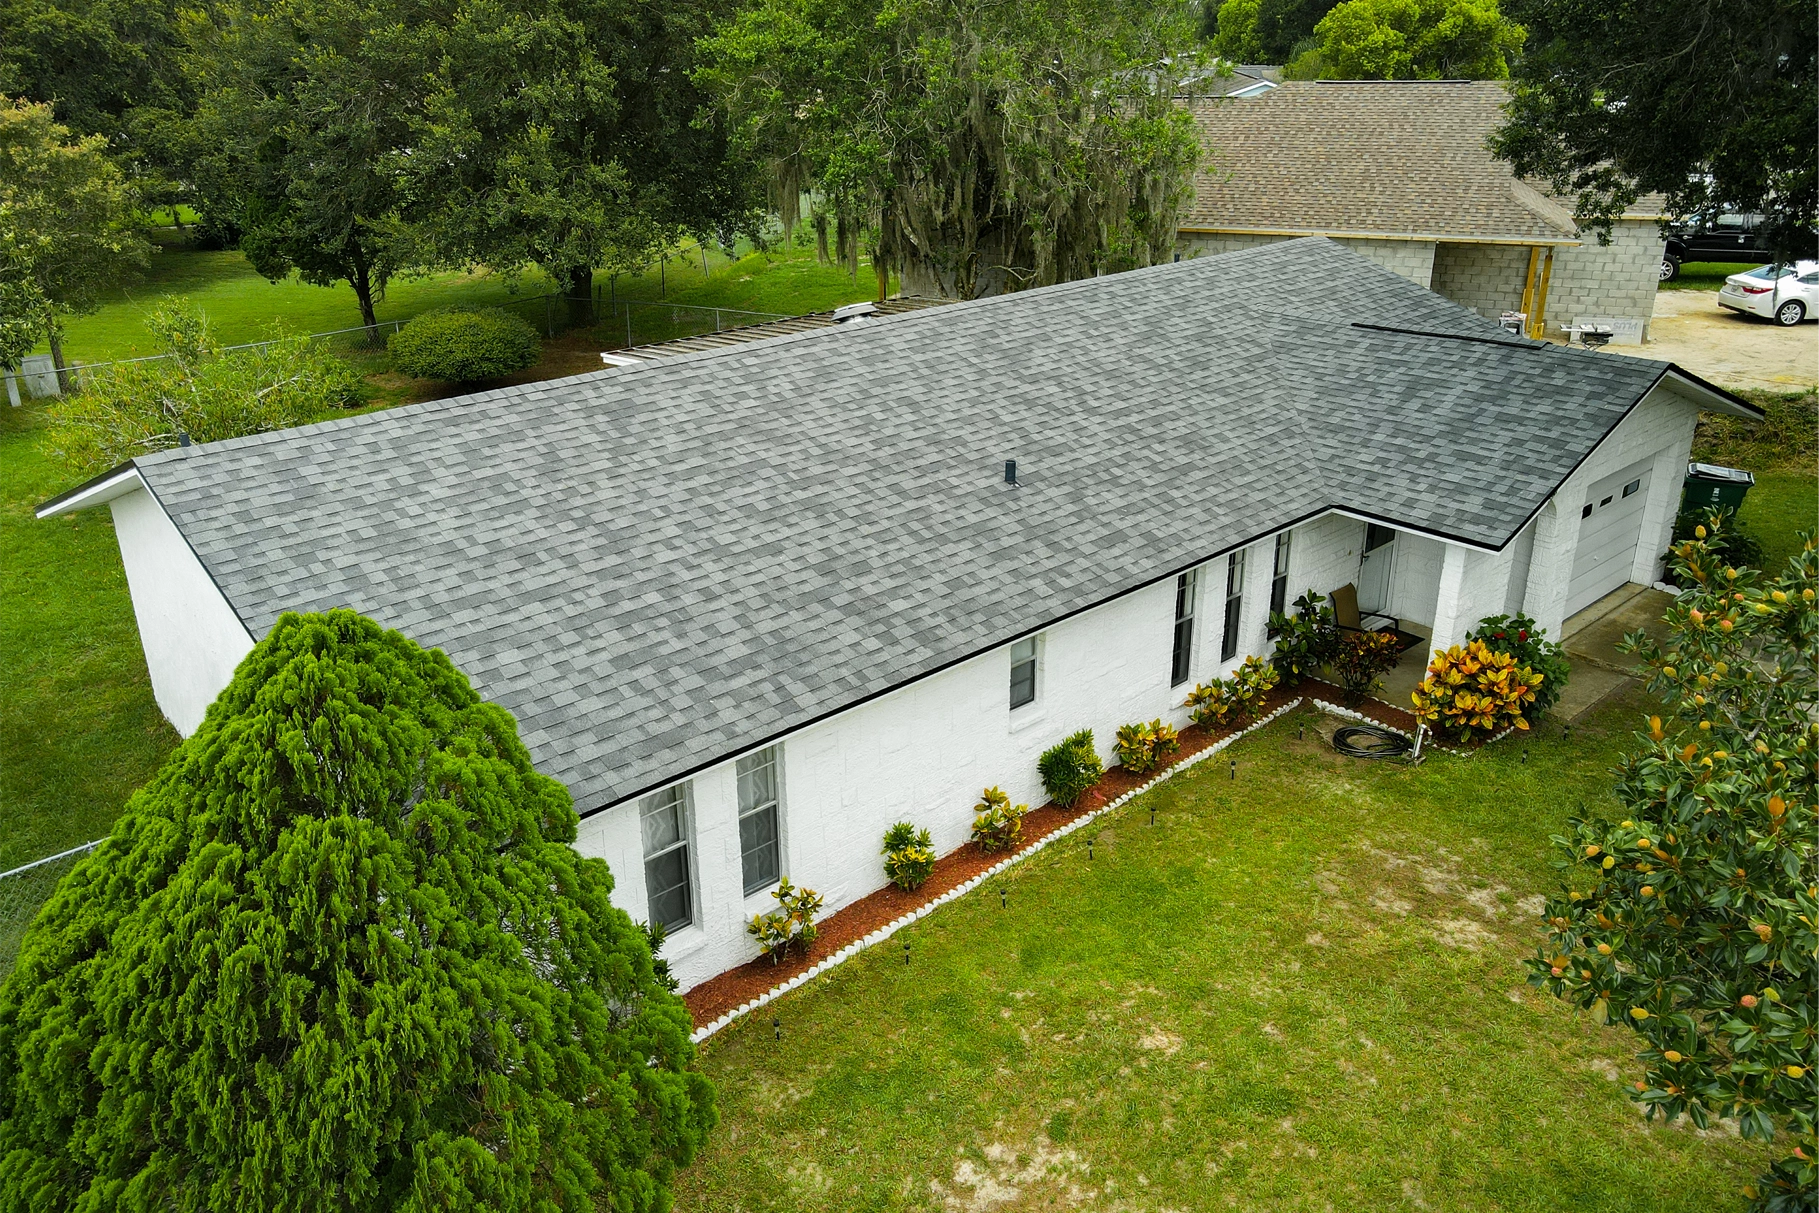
{"x": 1473, "y": 690}
{"x": 1692, "y": 920}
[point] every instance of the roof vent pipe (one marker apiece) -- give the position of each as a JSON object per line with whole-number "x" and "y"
{"x": 1010, "y": 472}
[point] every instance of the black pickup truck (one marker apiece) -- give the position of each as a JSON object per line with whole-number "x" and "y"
{"x": 1727, "y": 236}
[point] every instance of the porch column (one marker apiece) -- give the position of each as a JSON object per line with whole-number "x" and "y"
{"x": 1450, "y": 625}
{"x": 1550, "y": 566}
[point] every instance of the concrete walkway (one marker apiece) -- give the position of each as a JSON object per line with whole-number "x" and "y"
{"x": 1591, "y": 638}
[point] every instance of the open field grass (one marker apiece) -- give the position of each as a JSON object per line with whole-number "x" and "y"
{"x": 1783, "y": 452}
{"x": 1300, "y": 989}
{"x": 78, "y": 728}
{"x": 1706, "y": 275}
{"x": 243, "y": 306}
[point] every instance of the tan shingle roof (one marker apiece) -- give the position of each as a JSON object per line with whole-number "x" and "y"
{"x": 1402, "y": 158}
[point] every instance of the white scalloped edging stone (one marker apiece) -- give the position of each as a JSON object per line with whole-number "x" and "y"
{"x": 885, "y": 932}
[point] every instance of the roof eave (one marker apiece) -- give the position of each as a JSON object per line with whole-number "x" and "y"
{"x": 1423, "y": 237}
{"x": 116, "y": 482}
{"x": 1712, "y": 398}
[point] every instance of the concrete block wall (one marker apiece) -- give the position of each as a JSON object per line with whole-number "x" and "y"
{"x": 1487, "y": 278}
{"x": 1413, "y": 259}
{"x": 1614, "y": 281}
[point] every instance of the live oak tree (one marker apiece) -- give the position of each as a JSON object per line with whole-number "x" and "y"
{"x": 68, "y": 219}
{"x": 339, "y": 955}
{"x": 113, "y": 68}
{"x": 1692, "y": 920}
{"x": 1411, "y": 40}
{"x": 304, "y": 122}
{"x": 984, "y": 145}
{"x": 1709, "y": 102}
{"x": 567, "y": 134}
{"x": 1265, "y": 31}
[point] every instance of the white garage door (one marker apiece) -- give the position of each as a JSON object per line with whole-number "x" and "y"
{"x": 1610, "y": 523}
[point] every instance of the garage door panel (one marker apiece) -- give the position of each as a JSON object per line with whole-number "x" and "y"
{"x": 1610, "y": 526}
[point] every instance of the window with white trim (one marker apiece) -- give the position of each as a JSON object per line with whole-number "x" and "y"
{"x": 668, "y": 875}
{"x": 1279, "y": 581}
{"x": 1023, "y": 672}
{"x": 1182, "y": 660}
{"x": 760, "y": 833}
{"x": 1234, "y": 603}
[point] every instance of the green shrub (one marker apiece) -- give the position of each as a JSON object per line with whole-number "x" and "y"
{"x": 1070, "y": 768}
{"x": 1729, "y": 542}
{"x": 343, "y": 911}
{"x": 909, "y": 856}
{"x": 792, "y": 923}
{"x": 1252, "y": 681}
{"x": 1142, "y": 747}
{"x": 997, "y": 823}
{"x": 1306, "y": 640}
{"x": 462, "y": 347}
{"x": 1519, "y": 637}
{"x": 1361, "y": 658}
{"x": 1214, "y": 704}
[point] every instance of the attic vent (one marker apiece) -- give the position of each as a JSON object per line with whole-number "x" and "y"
{"x": 1010, "y": 472}
{"x": 854, "y": 311}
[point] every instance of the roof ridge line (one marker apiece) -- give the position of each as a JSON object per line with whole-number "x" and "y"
{"x": 1514, "y": 345}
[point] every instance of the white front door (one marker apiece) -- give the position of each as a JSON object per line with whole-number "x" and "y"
{"x": 1374, "y": 569}
{"x": 1610, "y": 524}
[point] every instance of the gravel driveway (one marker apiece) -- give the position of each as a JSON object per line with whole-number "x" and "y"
{"x": 1727, "y": 348}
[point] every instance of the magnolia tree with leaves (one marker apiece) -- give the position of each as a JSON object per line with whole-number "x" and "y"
{"x": 340, "y": 955}
{"x": 981, "y": 145}
{"x": 1692, "y": 920}
{"x": 197, "y": 391}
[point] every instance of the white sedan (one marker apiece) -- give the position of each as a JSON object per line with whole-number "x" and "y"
{"x": 1786, "y": 294}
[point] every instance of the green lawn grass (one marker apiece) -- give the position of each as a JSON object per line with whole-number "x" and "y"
{"x": 242, "y": 306}
{"x": 1300, "y": 989}
{"x": 1706, "y": 275}
{"x": 78, "y": 728}
{"x": 1777, "y": 510}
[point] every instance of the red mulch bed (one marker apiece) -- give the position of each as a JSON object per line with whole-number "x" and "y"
{"x": 718, "y": 995}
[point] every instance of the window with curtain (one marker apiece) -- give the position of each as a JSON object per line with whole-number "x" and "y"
{"x": 760, "y": 838}
{"x": 663, "y": 818}
{"x": 1184, "y": 627}
{"x": 1023, "y": 672}
{"x": 1279, "y": 582}
{"x": 1234, "y": 601}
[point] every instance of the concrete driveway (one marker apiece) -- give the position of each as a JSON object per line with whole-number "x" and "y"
{"x": 1729, "y": 349}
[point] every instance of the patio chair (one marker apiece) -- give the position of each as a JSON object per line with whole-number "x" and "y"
{"x": 1350, "y": 619}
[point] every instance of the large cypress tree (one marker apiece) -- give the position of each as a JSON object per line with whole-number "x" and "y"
{"x": 338, "y": 955}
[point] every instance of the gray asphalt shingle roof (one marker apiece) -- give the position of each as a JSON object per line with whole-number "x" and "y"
{"x": 657, "y": 566}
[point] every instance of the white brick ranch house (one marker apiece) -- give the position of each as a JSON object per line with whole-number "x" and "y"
{"x": 754, "y": 604}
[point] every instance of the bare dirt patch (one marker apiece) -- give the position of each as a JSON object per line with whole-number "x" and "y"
{"x": 1726, "y": 347}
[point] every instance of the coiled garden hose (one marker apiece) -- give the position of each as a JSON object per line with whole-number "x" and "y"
{"x": 1370, "y": 741}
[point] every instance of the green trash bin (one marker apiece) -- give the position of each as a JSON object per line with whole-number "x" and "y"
{"x": 1710, "y": 487}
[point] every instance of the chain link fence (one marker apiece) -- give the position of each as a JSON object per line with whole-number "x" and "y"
{"x": 26, "y": 888}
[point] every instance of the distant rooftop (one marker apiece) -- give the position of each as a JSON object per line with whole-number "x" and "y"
{"x": 1405, "y": 159}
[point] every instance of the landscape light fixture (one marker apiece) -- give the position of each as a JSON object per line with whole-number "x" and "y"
{"x": 777, "y": 1027}
{"x": 906, "y": 953}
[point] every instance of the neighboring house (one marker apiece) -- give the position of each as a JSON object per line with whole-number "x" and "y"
{"x": 756, "y": 603}
{"x": 1234, "y": 80}
{"x": 1400, "y": 171}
